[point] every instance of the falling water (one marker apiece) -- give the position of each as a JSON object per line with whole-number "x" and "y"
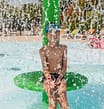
{"x": 18, "y": 58}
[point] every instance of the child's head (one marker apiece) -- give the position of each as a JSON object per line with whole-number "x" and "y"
{"x": 53, "y": 33}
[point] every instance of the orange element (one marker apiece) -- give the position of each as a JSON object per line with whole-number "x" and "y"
{"x": 62, "y": 31}
{"x": 91, "y": 31}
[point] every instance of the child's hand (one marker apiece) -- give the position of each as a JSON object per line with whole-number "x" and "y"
{"x": 49, "y": 82}
{"x": 59, "y": 79}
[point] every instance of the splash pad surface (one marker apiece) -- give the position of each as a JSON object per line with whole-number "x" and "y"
{"x": 32, "y": 81}
{"x": 88, "y": 62}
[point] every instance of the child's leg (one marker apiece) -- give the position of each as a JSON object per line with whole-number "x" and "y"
{"x": 62, "y": 95}
{"x": 52, "y": 102}
{"x": 51, "y": 98}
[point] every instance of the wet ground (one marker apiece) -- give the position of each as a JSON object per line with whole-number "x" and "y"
{"x": 21, "y": 57}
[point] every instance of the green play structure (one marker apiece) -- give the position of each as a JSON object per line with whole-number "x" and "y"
{"x": 33, "y": 81}
{"x": 50, "y": 14}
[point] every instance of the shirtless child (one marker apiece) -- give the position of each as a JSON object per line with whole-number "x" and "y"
{"x": 54, "y": 62}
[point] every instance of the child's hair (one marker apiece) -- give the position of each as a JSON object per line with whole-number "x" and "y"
{"x": 52, "y": 26}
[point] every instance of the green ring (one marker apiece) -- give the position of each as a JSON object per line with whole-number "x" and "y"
{"x": 32, "y": 81}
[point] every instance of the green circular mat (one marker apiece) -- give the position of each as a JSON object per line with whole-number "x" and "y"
{"x": 32, "y": 81}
